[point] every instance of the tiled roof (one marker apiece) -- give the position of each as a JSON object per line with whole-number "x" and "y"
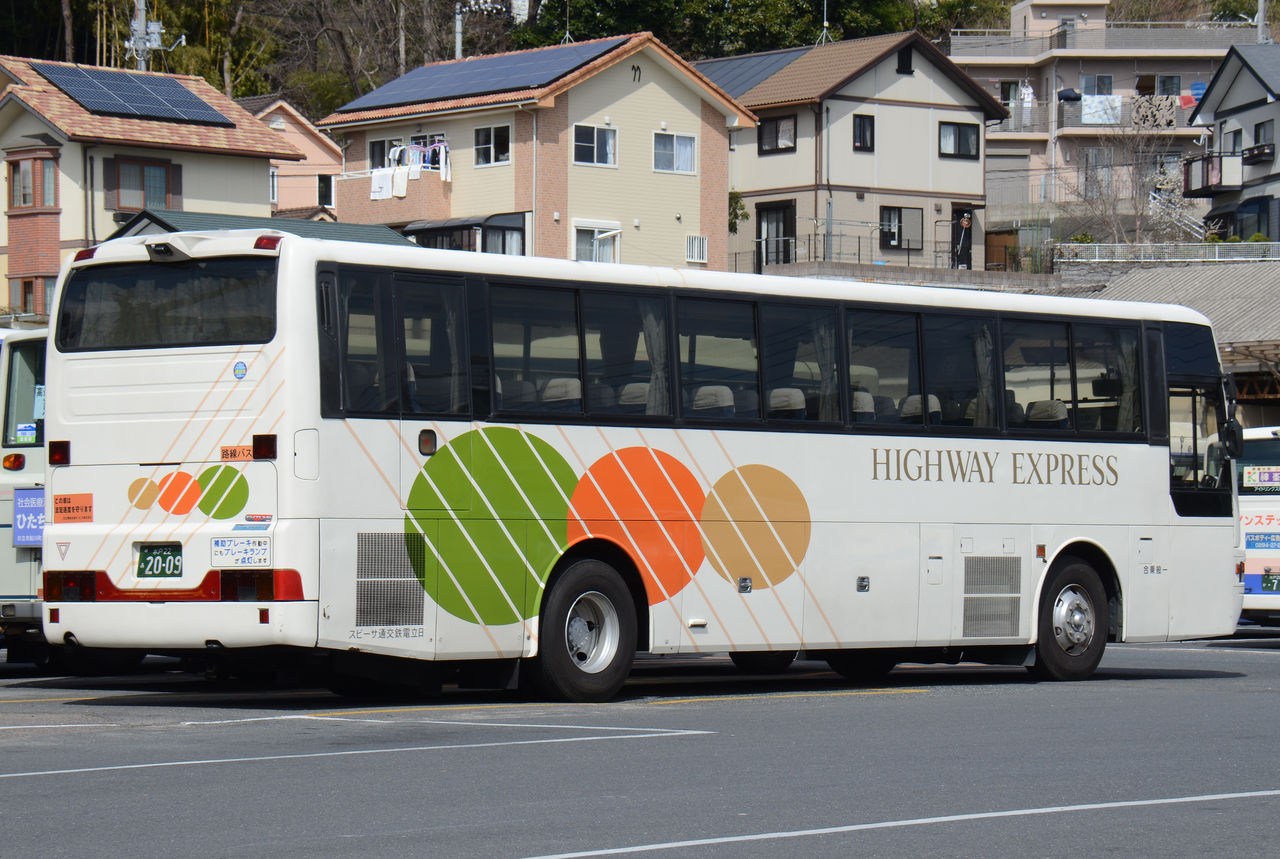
{"x": 255, "y": 104}
{"x": 248, "y": 137}
{"x": 522, "y": 93}
{"x": 819, "y": 71}
{"x": 171, "y": 221}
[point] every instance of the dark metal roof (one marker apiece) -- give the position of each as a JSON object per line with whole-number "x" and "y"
{"x": 481, "y": 75}
{"x": 170, "y": 221}
{"x": 737, "y": 75}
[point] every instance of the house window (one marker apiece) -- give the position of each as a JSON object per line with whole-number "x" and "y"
{"x": 49, "y": 184}
{"x": 432, "y": 161}
{"x": 1168, "y": 84}
{"x": 777, "y": 134}
{"x": 1095, "y": 84}
{"x": 377, "y": 154}
{"x": 593, "y": 145}
{"x": 142, "y": 185}
{"x": 901, "y": 229}
{"x": 273, "y": 181}
{"x": 673, "y": 153}
{"x": 864, "y": 132}
{"x": 1235, "y": 141}
{"x": 957, "y": 140}
{"x": 324, "y": 190}
{"x": 1010, "y": 91}
{"x": 1264, "y": 132}
{"x": 776, "y": 233}
{"x": 1095, "y": 179}
{"x": 598, "y": 242}
{"x": 20, "y": 182}
{"x": 493, "y": 145}
{"x": 28, "y": 296}
{"x": 904, "y": 61}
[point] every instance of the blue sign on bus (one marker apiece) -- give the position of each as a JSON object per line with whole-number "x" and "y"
{"x": 28, "y": 517}
{"x": 1262, "y": 541}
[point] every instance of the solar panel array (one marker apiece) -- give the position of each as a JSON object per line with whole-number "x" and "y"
{"x": 738, "y": 75}
{"x": 116, "y": 93}
{"x": 482, "y": 75}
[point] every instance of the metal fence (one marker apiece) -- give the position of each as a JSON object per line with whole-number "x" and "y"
{"x": 843, "y": 247}
{"x": 1172, "y": 252}
{"x": 1125, "y": 35}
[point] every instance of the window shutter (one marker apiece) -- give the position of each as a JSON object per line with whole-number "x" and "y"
{"x": 175, "y": 187}
{"x": 695, "y": 248}
{"x": 110, "y": 186}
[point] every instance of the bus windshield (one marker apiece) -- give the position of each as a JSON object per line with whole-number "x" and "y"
{"x": 206, "y": 302}
{"x": 1258, "y": 469}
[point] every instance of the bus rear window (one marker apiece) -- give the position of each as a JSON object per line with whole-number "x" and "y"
{"x": 198, "y": 302}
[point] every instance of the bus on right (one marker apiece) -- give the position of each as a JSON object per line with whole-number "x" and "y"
{"x": 1258, "y": 473}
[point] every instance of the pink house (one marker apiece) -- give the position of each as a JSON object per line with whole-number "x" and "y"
{"x": 298, "y": 189}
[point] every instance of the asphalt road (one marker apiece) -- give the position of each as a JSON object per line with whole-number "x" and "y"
{"x": 1168, "y": 751}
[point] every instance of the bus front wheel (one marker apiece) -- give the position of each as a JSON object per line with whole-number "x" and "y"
{"x": 1073, "y": 622}
{"x": 588, "y": 634}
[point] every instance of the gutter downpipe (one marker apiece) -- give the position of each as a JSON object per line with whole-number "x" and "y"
{"x": 86, "y": 169}
{"x": 826, "y": 250}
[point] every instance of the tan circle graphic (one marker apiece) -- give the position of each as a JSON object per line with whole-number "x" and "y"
{"x": 755, "y": 524}
{"x": 143, "y": 493}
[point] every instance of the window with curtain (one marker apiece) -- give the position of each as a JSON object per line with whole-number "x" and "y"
{"x": 957, "y": 140}
{"x": 595, "y": 145}
{"x": 776, "y": 134}
{"x": 673, "y": 153}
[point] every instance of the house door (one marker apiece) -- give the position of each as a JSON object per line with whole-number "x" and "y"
{"x": 776, "y": 233}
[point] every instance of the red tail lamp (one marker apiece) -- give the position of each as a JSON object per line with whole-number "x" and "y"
{"x": 59, "y": 453}
{"x": 267, "y": 243}
{"x": 15, "y": 461}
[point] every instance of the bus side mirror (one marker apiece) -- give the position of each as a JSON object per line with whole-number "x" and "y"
{"x": 1231, "y": 437}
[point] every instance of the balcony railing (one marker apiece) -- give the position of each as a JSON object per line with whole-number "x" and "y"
{"x": 1118, "y": 36}
{"x": 1143, "y": 112}
{"x": 1206, "y": 175}
{"x": 1173, "y": 252}
{"x": 1026, "y": 117}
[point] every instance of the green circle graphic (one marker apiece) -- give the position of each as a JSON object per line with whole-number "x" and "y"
{"x": 487, "y": 519}
{"x": 223, "y": 491}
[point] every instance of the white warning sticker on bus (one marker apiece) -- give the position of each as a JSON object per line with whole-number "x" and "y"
{"x": 230, "y": 552}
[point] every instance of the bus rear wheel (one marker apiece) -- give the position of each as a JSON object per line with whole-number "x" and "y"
{"x": 1073, "y": 622}
{"x": 588, "y": 634}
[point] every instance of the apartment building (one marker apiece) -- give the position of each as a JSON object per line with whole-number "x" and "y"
{"x": 1099, "y": 121}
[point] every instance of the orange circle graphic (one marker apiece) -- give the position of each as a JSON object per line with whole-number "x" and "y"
{"x": 179, "y": 492}
{"x": 646, "y": 502}
{"x": 143, "y": 493}
{"x": 755, "y": 525}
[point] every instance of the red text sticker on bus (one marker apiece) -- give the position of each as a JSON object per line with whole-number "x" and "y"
{"x": 237, "y": 453}
{"x": 73, "y": 508}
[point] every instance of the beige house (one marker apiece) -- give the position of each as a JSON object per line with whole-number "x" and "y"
{"x": 80, "y": 160}
{"x": 867, "y": 150}
{"x": 1099, "y": 121}
{"x": 298, "y": 189}
{"x": 611, "y": 149}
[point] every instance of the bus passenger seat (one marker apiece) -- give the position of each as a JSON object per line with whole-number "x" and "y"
{"x": 712, "y": 401}
{"x": 864, "y": 408}
{"x": 1047, "y": 414}
{"x": 909, "y": 410}
{"x": 516, "y": 394}
{"x": 746, "y": 404}
{"x": 1014, "y": 414}
{"x": 562, "y": 395}
{"x": 633, "y": 399}
{"x": 886, "y": 409}
{"x": 787, "y": 403}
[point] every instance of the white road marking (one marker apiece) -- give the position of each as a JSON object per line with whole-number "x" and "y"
{"x": 918, "y": 821}
{"x": 86, "y": 725}
{"x": 351, "y": 753}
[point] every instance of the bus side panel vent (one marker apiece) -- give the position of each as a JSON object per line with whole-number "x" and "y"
{"x": 388, "y": 592}
{"x": 992, "y": 596}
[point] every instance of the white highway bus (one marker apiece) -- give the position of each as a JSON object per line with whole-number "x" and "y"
{"x": 408, "y": 464}
{"x": 1258, "y": 474}
{"x": 22, "y": 492}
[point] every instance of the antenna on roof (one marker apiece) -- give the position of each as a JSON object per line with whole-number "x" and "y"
{"x": 567, "y": 38}
{"x": 826, "y": 27}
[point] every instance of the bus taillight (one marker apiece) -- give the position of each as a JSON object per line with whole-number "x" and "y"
{"x": 267, "y": 243}
{"x": 260, "y": 585}
{"x": 15, "y": 462}
{"x": 264, "y": 446}
{"x": 59, "y": 453}
{"x": 79, "y": 586}
{"x": 85, "y": 253}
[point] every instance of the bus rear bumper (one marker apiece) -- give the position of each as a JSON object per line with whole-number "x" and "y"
{"x": 164, "y": 626}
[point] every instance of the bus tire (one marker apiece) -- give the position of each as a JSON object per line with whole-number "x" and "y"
{"x": 588, "y": 634}
{"x": 863, "y": 667}
{"x": 763, "y": 661}
{"x": 1073, "y": 622}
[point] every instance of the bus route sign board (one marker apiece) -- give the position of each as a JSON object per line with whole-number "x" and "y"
{"x": 28, "y": 517}
{"x": 1262, "y": 475}
{"x": 1255, "y": 540}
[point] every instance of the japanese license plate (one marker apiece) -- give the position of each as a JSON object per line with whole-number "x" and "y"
{"x": 231, "y": 552}
{"x": 159, "y": 560}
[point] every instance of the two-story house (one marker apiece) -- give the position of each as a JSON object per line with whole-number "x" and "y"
{"x": 86, "y": 148}
{"x": 298, "y": 188}
{"x": 1099, "y": 119}
{"x": 1239, "y": 170}
{"x": 611, "y": 149}
{"x": 867, "y": 150}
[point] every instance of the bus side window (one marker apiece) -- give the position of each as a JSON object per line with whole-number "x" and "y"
{"x": 1037, "y": 374}
{"x": 884, "y": 363}
{"x": 1108, "y": 378}
{"x": 536, "y": 349}
{"x": 431, "y": 324}
{"x": 959, "y": 370}
{"x": 368, "y": 374}
{"x": 628, "y": 369}
{"x": 801, "y": 376}
{"x": 719, "y": 357}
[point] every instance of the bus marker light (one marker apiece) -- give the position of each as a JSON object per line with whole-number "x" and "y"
{"x": 264, "y": 446}
{"x": 264, "y": 615}
{"x": 267, "y": 243}
{"x": 59, "y": 453}
{"x": 53, "y": 615}
{"x": 14, "y": 461}
{"x": 86, "y": 253}
{"x": 1040, "y": 551}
